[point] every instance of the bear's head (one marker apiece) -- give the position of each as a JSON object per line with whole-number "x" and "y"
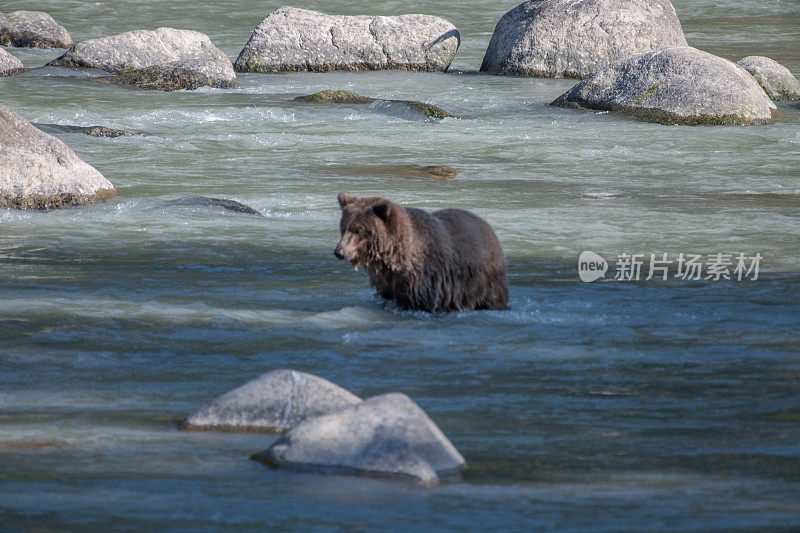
{"x": 370, "y": 232}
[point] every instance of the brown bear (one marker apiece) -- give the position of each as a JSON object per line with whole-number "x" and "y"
{"x": 449, "y": 260}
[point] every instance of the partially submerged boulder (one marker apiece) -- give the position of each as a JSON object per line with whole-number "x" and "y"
{"x": 576, "y": 38}
{"x": 385, "y": 436}
{"x": 9, "y": 65}
{"x": 228, "y": 205}
{"x": 32, "y": 29}
{"x": 275, "y": 402}
{"x": 385, "y": 105}
{"x": 776, "y": 80}
{"x": 165, "y": 59}
{"x": 299, "y": 40}
{"x": 676, "y": 85}
{"x": 438, "y": 172}
{"x": 93, "y": 131}
{"x": 37, "y": 171}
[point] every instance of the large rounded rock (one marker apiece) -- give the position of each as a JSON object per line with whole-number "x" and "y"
{"x": 37, "y": 171}
{"x": 385, "y": 436}
{"x": 32, "y": 29}
{"x": 292, "y": 39}
{"x": 9, "y": 65}
{"x": 576, "y": 38}
{"x": 165, "y": 59}
{"x": 676, "y": 85}
{"x": 275, "y": 402}
{"x": 776, "y": 80}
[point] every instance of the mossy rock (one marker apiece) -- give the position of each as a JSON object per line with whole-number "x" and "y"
{"x": 438, "y": 172}
{"x": 335, "y": 97}
{"x": 347, "y": 97}
{"x": 56, "y": 201}
{"x": 93, "y": 131}
{"x": 675, "y": 85}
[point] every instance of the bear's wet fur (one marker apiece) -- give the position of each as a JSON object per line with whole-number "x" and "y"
{"x": 449, "y": 260}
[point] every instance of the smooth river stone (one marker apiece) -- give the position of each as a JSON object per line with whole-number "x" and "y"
{"x": 576, "y": 38}
{"x": 37, "y": 171}
{"x": 165, "y": 59}
{"x": 385, "y": 436}
{"x": 776, "y": 80}
{"x": 275, "y": 402}
{"x": 32, "y": 29}
{"x": 299, "y": 40}
{"x": 676, "y": 85}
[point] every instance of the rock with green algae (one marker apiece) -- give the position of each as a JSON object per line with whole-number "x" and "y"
{"x": 776, "y": 80}
{"x": 675, "y": 85}
{"x": 39, "y": 172}
{"x": 93, "y": 131}
{"x": 34, "y": 29}
{"x": 164, "y": 59}
{"x": 439, "y": 172}
{"x": 347, "y": 97}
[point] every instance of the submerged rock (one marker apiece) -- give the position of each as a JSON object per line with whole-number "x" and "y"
{"x": 165, "y": 59}
{"x": 299, "y": 40}
{"x": 676, "y": 85}
{"x": 576, "y": 38}
{"x": 230, "y": 205}
{"x": 439, "y": 172}
{"x": 275, "y": 402}
{"x": 347, "y": 97}
{"x": 10, "y": 65}
{"x": 94, "y": 131}
{"x": 32, "y": 29}
{"x": 37, "y": 171}
{"x": 776, "y": 80}
{"x": 385, "y": 436}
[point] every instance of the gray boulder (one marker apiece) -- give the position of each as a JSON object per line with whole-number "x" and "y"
{"x": 676, "y": 85}
{"x": 37, "y": 171}
{"x": 32, "y": 29}
{"x": 385, "y": 436}
{"x": 776, "y": 80}
{"x": 292, "y": 39}
{"x": 165, "y": 59}
{"x": 9, "y": 65}
{"x": 275, "y": 402}
{"x": 576, "y": 38}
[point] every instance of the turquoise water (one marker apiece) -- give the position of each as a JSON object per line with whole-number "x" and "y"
{"x": 607, "y": 406}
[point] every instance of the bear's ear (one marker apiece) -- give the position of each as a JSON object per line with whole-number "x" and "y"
{"x": 383, "y": 210}
{"x": 345, "y": 200}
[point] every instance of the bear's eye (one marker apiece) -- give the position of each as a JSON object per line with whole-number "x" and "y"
{"x": 355, "y": 231}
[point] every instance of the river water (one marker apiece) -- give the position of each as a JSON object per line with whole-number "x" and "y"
{"x": 659, "y": 405}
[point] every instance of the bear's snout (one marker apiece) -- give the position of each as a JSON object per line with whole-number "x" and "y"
{"x": 338, "y": 253}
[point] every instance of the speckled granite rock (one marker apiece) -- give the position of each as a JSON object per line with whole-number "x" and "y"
{"x": 37, "y": 171}
{"x": 292, "y": 39}
{"x": 676, "y": 85}
{"x": 32, "y": 29}
{"x": 384, "y": 436}
{"x": 275, "y": 402}
{"x": 10, "y": 65}
{"x": 776, "y": 80}
{"x": 165, "y": 59}
{"x": 576, "y": 38}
